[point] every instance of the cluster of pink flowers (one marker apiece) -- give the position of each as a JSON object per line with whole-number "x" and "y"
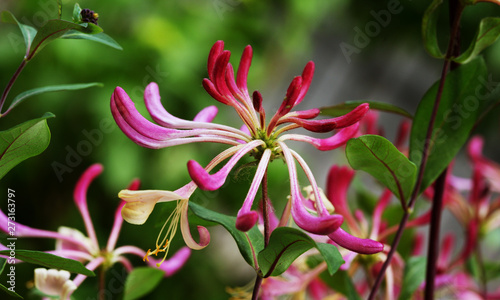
{"x": 264, "y": 140}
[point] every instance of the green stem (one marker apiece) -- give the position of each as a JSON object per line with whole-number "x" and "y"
{"x": 425, "y": 152}
{"x": 11, "y": 83}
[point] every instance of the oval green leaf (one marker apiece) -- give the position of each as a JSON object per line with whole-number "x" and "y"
{"x": 141, "y": 281}
{"x": 50, "y": 261}
{"x": 99, "y": 38}
{"x": 52, "y": 88}
{"x": 22, "y": 142}
{"x": 466, "y": 92}
{"x": 286, "y": 244}
{"x": 487, "y": 34}
{"x": 343, "y": 108}
{"x": 249, "y": 243}
{"x": 381, "y": 159}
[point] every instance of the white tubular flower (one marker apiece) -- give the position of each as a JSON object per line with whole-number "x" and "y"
{"x": 54, "y": 282}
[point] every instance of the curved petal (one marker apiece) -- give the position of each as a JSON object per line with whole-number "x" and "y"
{"x": 173, "y": 264}
{"x": 186, "y": 233}
{"x": 206, "y": 115}
{"x": 334, "y": 123}
{"x": 212, "y": 182}
{"x": 337, "y": 140}
{"x": 246, "y": 218}
{"x": 338, "y": 181}
{"x": 215, "y": 52}
{"x": 313, "y": 224}
{"x": 80, "y": 197}
{"x": 243, "y": 68}
{"x": 358, "y": 245}
{"x": 140, "y": 204}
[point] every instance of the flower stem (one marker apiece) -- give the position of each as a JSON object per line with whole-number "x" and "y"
{"x": 433, "y": 249}
{"x": 452, "y": 45}
{"x": 11, "y": 83}
{"x": 454, "y": 10}
{"x": 267, "y": 231}
{"x": 102, "y": 283}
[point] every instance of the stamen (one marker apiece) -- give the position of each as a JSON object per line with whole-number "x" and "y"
{"x": 173, "y": 219}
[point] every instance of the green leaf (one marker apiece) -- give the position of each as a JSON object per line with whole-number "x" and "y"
{"x": 3, "y": 262}
{"x": 50, "y": 261}
{"x": 286, "y": 244}
{"x": 22, "y": 142}
{"x": 53, "y": 88}
{"x": 342, "y": 283}
{"x": 249, "y": 243}
{"x": 343, "y": 108}
{"x": 429, "y": 30}
{"x": 487, "y": 34}
{"x": 9, "y": 292}
{"x": 465, "y": 93}
{"x": 141, "y": 281}
{"x": 381, "y": 159}
{"x": 414, "y": 275}
{"x": 27, "y": 31}
{"x": 99, "y": 37}
{"x": 54, "y": 29}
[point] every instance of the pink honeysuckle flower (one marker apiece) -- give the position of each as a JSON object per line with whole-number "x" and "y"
{"x": 73, "y": 244}
{"x": 264, "y": 141}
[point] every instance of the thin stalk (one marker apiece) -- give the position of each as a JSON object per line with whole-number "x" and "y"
{"x": 267, "y": 231}
{"x": 11, "y": 83}
{"x": 435, "y": 226}
{"x": 425, "y": 151}
{"x": 256, "y": 287}
{"x": 102, "y": 283}
{"x": 454, "y": 10}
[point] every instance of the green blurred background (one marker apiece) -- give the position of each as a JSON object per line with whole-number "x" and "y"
{"x": 168, "y": 42}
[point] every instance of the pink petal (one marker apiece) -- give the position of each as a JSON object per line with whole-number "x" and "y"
{"x": 80, "y": 196}
{"x": 215, "y": 52}
{"x": 314, "y": 224}
{"x": 245, "y": 62}
{"x": 173, "y": 264}
{"x": 246, "y": 218}
{"x": 358, "y": 245}
{"x": 338, "y": 181}
{"x": 330, "y": 124}
{"x": 307, "y": 76}
{"x": 337, "y": 140}
{"x": 206, "y": 115}
{"x": 209, "y": 182}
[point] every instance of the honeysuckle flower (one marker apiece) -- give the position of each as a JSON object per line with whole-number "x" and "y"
{"x": 73, "y": 244}
{"x": 261, "y": 139}
{"x": 139, "y": 205}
